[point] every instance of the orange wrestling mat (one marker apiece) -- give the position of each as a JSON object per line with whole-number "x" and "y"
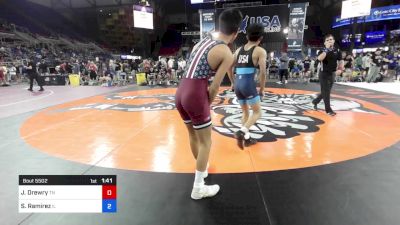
{"x": 142, "y": 130}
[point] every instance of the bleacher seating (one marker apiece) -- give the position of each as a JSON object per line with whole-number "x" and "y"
{"x": 38, "y": 19}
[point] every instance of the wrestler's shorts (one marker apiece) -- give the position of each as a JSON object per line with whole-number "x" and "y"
{"x": 191, "y": 100}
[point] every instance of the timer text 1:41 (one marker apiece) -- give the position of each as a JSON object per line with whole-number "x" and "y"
{"x": 106, "y": 180}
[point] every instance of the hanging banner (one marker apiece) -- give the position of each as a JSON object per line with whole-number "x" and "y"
{"x": 207, "y": 22}
{"x": 273, "y": 17}
{"x": 297, "y": 19}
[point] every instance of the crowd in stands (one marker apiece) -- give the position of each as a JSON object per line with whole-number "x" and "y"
{"x": 296, "y": 69}
{"x": 48, "y": 59}
{"x": 99, "y": 67}
{"x": 6, "y": 27}
{"x": 95, "y": 67}
{"x": 166, "y": 71}
{"x": 374, "y": 66}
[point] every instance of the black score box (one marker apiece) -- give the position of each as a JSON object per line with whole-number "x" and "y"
{"x": 67, "y": 193}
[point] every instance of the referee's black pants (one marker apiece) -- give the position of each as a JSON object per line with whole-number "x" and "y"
{"x": 35, "y": 76}
{"x": 283, "y": 73}
{"x": 326, "y": 79}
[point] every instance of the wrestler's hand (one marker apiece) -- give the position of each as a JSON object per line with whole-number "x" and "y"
{"x": 210, "y": 101}
{"x": 261, "y": 93}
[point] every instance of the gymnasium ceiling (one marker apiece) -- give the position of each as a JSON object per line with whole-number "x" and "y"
{"x": 64, "y": 4}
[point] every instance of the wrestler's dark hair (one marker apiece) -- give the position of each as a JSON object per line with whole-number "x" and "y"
{"x": 255, "y": 31}
{"x": 229, "y": 21}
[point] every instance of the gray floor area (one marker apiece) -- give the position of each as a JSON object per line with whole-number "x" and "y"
{"x": 17, "y": 158}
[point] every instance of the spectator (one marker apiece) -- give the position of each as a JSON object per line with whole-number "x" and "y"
{"x": 376, "y": 64}
{"x": 283, "y": 69}
{"x": 92, "y": 70}
{"x": 12, "y": 73}
{"x": 366, "y": 63}
{"x": 358, "y": 62}
{"x": 306, "y": 70}
{"x": 3, "y": 72}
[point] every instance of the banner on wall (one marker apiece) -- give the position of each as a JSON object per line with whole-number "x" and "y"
{"x": 297, "y": 18}
{"x": 273, "y": 17}
{"x": 207, "y": 22}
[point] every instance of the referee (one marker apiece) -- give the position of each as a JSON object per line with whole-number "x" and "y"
{"x": 33, "y": 75}
{"x": 329, "y": 57}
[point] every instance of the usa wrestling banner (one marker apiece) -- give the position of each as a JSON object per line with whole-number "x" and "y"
{"x": 273, "y": 17}
{"x": 297, "y": 18}
{"x": 207, "y": 22}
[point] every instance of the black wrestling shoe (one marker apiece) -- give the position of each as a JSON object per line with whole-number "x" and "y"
{"x": 29, "y": 89}
{"x": 249, "y": 142}
{"x": 239, "y": 135}
{"x": 331, "y": 113}
{"x": 41, "y": 89}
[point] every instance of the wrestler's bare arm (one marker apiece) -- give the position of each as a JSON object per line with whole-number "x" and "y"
{"x": 220, "y": 58}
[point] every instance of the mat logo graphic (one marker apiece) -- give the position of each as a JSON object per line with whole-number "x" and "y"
{"x": 164, "y": 102}
{"x": 282, "y": 114}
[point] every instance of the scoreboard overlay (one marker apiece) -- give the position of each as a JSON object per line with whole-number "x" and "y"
{"x": 67, "y": 194}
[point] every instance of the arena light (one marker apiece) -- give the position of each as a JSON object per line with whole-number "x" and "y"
{"x": 144, "y": 3}
{"x": 286, "y": 30}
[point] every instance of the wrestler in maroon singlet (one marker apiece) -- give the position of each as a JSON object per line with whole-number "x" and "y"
{"x": 192, "y": 100}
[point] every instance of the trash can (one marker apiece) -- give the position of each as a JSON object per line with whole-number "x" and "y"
{"x": 74, "y": 80}
{"x": 141, "y": 79}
